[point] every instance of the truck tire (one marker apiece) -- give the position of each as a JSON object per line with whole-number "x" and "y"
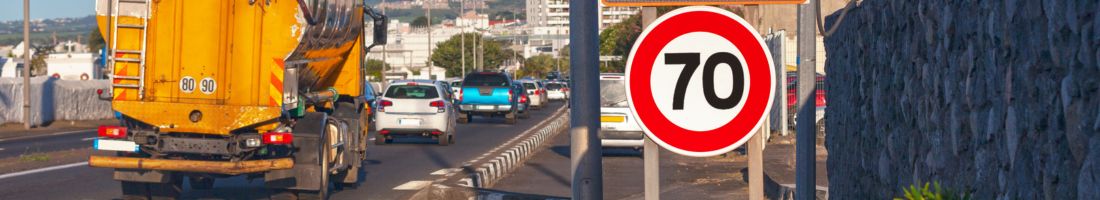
{"x": 168, "y": 190}
{"x": 322, "y": 192}
{"x": 134, "y": 190}
{"x": 201, "y": 183}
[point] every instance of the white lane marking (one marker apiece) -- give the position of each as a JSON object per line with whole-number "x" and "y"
{"x": 413, "y": 185}
{"x": 40, "y": 170}
{"x": 50, "y": 134}
{"x": 445, "y": 171}
{"x": 88, "y": 138}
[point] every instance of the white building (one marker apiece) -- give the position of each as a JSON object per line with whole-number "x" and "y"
{"x": 548, "y": 21}
{"x": 473, "y": 20}
{"x": 71, "y": 66}
{"x": 407, "y": 50}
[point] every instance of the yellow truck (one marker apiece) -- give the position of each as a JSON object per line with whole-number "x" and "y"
{"x": 206, "y": 89}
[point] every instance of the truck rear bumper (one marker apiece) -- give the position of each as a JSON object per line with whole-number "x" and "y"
{"x": 219, "y": 167}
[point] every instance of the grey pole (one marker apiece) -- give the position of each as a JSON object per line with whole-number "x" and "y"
{"x": 384, "y": 63}
{"x": 650, "y": 151}
{"x": 585, "y": 150}
{"x": 805, "y": 152}
{"x": 462, "y": 46}
{"x": 429, "y": 3}
{"x": 27, "y": 64}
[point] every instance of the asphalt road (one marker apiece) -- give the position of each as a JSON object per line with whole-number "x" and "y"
{"x": 13, "y": 147}
{"x": 393, "y": 171}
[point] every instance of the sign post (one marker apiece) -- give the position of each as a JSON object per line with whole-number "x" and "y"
{"x": 671, "y": 83}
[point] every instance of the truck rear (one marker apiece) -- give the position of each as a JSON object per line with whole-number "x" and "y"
{"x": 213, "y": 89}
{"x": 487, "y": 94}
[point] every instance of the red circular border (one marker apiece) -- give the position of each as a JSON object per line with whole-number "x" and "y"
{"x": 756, "y": 102}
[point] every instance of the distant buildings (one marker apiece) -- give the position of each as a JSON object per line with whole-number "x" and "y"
{"x": 548, "y": 21}
{"x": 68, "y": 60}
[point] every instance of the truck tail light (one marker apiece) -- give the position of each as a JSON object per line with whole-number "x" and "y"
{"x": 383, "y": 104}
{"x": 440, "y": 105}
{"x": 437, "y": 132}
{"x": 278, "y": 138}
{"x": 115, "y": 132}
{"x": 384, "y": 132}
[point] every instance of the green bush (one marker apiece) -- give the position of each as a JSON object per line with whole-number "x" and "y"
{"x": 936, "y": 193}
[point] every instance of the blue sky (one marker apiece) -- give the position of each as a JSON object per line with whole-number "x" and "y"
{"x": 43, "y": 9}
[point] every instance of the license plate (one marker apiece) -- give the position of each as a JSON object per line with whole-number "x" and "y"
{"x": 115, "y": 145}
{"x": 612, "y": 119}
{"x": 409, "y": 122}
{"x": 485, "y": 107}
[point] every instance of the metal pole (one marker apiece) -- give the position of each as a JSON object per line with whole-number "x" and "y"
{"x": 462, "y": 46}
{"x": 384, "y": 63}
{"x": 756, "y": 163}
{"x": 651, "y": 152}
{"x": 805, "y": 152}
{"x": 429, "y": 3}
{"x": 585, "y": 150}
{"x": 27, "y": 64}
{"x": 515, "y": 74}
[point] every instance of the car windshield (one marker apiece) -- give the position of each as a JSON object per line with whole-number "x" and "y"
{"x": 530, "y": 86}
{"x": 412, "y": 92}
{"x": 478, "y": 80}
{"x": 612, "y": 93}
{"x": 553, "y": 86}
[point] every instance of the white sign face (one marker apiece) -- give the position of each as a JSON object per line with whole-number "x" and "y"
{"x": 187, "y": 84}
{"x": 700, "y": 81}
{"x": 208, "y": 85}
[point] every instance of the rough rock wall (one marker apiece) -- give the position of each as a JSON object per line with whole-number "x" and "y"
{"x": 999, "y": 99}
{"x": 53, "y": 99}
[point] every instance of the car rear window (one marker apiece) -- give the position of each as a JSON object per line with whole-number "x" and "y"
{"x": 612, "y": 93}
{"x": 553, "y": 86}
{"x": 412, "y": 92}
{"x": 529, "y": 86}
{"x": 478, "y": 80}
{"x": 456, "y": 84}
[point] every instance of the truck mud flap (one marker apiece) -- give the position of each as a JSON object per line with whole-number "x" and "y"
{"x": 308, "y": 133}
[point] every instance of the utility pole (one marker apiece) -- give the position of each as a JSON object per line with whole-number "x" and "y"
{"x": 514, "y": 58}
{"x": 805, "y": 152}
{"x": 429, "y": 4}
{"x": 586, "y": 161}
{"x": 462, "y": 46}
{"x": 384, "y": 63}
{"x": 650, "y": 151}
{"x": 27, "y": 64}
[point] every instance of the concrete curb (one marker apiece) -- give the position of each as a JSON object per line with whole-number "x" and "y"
{"x": 469, "y": 183}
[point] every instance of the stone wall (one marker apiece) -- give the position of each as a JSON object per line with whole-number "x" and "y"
{"x": 999, "y": 99}
{"x": 53, "y": 99}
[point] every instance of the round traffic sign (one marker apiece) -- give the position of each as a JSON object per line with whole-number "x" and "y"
{"x": 700, "y": 80}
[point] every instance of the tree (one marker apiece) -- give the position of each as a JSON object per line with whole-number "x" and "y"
{"x": 448, "y": 54}
{"x": 537, "y": 66}
{"x": 419, "y": 22}
{"x": 374, "y": 69}
{"x": 95, "y": 40}
{"x": 619, "y": 39}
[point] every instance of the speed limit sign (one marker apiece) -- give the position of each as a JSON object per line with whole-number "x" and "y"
{"x": 700, "y": 81}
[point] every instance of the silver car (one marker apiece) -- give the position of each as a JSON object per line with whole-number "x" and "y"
{"x": 415, "y": 108}
{"x": 618, "y": 127}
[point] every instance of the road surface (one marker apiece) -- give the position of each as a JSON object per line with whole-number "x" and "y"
{"x": 393, "y": 171}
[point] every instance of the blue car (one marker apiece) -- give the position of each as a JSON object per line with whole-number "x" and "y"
{"x": 489, "y": 94}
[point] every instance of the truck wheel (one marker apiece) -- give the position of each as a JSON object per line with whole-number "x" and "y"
{"x": 201, "y": 183}
{"x": 322, "y": 192}
{"x": 445, "y": 139}
{"x": 510, "y": 118}
{"x": 167, "y": 190}
{"x": 134, "y": 190}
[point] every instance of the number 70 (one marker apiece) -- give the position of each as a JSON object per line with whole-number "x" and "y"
{"x": 691, "y": 63}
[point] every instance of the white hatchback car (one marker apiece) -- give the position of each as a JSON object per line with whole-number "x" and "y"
{"x": 618, "y": 127}
{"x": 415, "y": 108}
{"x": 557, "y": 91}
{"x": 535, "y": 92}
